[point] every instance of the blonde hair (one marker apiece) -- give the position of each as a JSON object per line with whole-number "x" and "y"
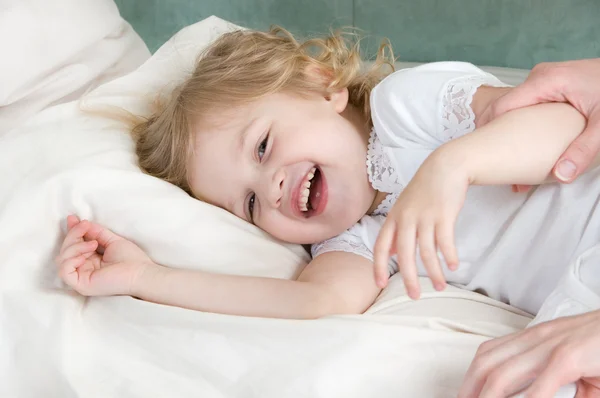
{"x": 243, "y": 66}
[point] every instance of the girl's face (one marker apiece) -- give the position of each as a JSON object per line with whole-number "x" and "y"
{"x": 293, "y": 166}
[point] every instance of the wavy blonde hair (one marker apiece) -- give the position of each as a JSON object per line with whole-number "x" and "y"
{"x": 243, "y": 66}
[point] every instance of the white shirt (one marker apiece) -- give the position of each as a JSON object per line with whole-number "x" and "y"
{"x": 511, "y": 247}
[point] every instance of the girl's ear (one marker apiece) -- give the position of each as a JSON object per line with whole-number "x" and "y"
{"x": 339, "y": 100}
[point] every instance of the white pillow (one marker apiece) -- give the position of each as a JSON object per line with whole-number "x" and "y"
{"x": 53, "y": 53}
{"x": 64, "y": 161}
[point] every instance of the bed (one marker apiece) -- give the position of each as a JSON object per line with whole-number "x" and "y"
{"x": 56, "y": 158}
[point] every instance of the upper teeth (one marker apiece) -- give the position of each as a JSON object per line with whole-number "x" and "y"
{"x": 305, "y": 193}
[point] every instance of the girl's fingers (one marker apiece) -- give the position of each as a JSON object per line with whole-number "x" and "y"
{"x": 103, "y": 235}
{"x": 429, "y": 256}
{"x": 444, "y": 236}
{"x": 72, "y": 220}
{"x": 381, "y": 252}
{"x": 75, "y": 235}
{"x": 85, "y": 249}
{"x": 68, "y": 270}
{"x": 406, "y": 246}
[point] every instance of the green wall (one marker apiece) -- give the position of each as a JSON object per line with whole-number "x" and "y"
{"x": 514, "y": 33}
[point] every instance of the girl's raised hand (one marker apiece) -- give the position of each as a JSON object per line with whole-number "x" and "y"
{"x": 96, "y": 262}
{"x": 423, "y": 216}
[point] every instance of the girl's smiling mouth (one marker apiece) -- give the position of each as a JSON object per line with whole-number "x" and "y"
{"x": 310, "y": 197}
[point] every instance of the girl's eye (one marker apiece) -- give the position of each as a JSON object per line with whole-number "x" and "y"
{"x": 251, "y": 207}
{"x": 262, "y": 148}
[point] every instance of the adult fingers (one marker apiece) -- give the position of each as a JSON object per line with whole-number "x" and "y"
{"x": 493, "y": 353}
{"x": 497, "y": 342}
{"x": 558, "y": 371}
{"x": 490, "y": 355}
{"x": 513, "y": 375}
{"x": 536, "y": 89}
{"x": 518, "y": 188}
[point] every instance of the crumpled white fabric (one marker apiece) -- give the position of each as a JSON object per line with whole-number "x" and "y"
{"x": 578, "y": 291}
{"x": 52, "y": 52}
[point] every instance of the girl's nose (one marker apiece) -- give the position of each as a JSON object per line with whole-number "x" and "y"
{"x": 275, "y": 194}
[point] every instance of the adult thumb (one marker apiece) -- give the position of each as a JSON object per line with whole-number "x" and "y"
{"x": 581, "y": 153}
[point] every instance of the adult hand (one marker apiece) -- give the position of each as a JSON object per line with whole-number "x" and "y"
{"x": 575, "y": 82}
{"x": 553, "y": 353}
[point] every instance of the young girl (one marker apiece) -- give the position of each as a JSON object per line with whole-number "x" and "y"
{"x": 299, "y": 140}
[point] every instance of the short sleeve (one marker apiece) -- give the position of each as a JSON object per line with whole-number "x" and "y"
{"x": 347, "y": 241}
{"x": 426, "y": 106}
{"x": 359, "y": 239}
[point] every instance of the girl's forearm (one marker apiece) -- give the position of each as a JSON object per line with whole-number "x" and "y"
{"x": 234, "y": 295}
{"x": 520, "y": 147}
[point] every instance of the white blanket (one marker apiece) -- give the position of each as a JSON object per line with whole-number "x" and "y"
{"x": 56, "y": 159}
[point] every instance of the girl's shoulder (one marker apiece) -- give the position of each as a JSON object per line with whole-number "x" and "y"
{"x": 409, "y": 106}
{"x": 358, "y": 239}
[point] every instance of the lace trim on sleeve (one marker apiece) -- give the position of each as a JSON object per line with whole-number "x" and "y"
{"x": 345, "y": 242}
{"x": 381, "y": 171}
{"x": 386, "y": 205}
{"x": 458, "y": 117}
{"x": 382, "y": 174}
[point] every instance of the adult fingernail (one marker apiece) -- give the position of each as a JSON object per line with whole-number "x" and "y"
{"x": 565, "y": 170}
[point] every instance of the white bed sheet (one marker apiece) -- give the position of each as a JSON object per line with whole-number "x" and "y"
{"x": 53, "y": 343}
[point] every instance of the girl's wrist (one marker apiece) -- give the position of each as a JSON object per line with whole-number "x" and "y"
{"x": 147, "y": 274}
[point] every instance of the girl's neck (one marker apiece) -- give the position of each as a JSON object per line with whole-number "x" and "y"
{"x": 363, "y": 126}
{"x": 359, "y": 121}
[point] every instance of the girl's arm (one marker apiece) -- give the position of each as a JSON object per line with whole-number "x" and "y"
{"x": 333, "y": 283}
{"x": 520, "y": 147}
